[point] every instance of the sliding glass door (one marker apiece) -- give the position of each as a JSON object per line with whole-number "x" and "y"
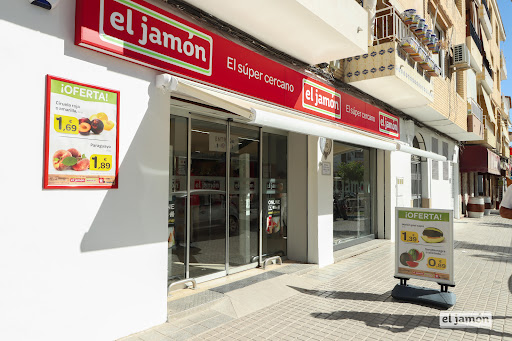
{"x": 214, "y": 200}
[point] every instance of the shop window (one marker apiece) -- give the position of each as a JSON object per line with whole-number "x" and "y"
{"x": 177, "y": 208}
{"x": 275, "y": 188}
{"x": 352, "y": 190}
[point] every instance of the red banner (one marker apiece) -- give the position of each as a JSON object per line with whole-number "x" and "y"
{"x": 148, "y": 35}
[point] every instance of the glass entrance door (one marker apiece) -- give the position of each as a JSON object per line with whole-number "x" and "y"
{"x": 243, "y": 223}
{"x": 214, "y": 200}
{"x": 207, "y": 248}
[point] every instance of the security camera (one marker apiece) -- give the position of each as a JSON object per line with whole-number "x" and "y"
{"x": 46, "y": 4}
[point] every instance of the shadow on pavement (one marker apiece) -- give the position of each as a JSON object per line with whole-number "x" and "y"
{"x": 400, "y": 323}
{"x": 498, "y": 257}
{"x": 504, "y": 225}
{"x": 482, "y": 247}
{"x": 345, "y": 295}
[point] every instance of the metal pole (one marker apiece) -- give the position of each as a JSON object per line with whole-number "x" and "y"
{"x": 188, "y": 229}
{"x": 228, "y": 201}
{"x": 260, "y": 225}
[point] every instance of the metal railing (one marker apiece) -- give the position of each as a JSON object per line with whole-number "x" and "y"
{"x": 277, "y": 259}
{"x": 476, "y": 110}
{"x": 389, "y": 26}
{"x": 488, "y": 67}
{"x": 183, "y": 281}
{"x": 475, "y": 37}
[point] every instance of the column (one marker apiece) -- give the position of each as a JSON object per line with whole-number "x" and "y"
{"x": 320, "y": 205}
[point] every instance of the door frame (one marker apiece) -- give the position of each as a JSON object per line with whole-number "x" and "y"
{"x": 228, "y": 122}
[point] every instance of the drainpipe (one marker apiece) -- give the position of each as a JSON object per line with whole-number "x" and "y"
{"x": 371, "y": 7}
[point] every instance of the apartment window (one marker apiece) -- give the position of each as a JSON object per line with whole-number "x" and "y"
{"x": 497, "y": 35}
{"x": 446, "y": 164}
{"x": 435, "y": 164}
{"x": 445, "y": 149}
{"x": 439, "y": 58}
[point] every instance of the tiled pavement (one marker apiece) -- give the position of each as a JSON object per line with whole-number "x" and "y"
{"x": 350, "y": 300}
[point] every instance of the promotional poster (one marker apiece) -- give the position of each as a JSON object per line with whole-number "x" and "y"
{"x": 82, "y": 134}
{"x": 424, "y": 244}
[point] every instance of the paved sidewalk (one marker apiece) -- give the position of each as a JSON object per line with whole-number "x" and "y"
{"x": 351, "y": 300}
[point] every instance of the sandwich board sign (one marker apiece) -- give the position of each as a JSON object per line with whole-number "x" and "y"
{"x": 424, "y": 245}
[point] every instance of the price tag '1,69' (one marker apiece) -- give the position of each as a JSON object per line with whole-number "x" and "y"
{"x": 100, "y": 162}
{"x": 65, "y": 124}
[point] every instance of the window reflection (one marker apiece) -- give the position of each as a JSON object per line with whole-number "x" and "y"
{"x": 275, "y": 172}
{"x": 352, "y": 202}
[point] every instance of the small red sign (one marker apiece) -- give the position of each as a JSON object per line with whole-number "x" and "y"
{"x": 388, "y": 124}
{"x": 321, "y": 99}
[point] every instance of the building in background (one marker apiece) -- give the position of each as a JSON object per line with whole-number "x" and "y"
{"x": 485, "y": 163}
{"x": 412, "y": 65}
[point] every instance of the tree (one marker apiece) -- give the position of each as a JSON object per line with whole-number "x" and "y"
{"x": 351, "y": 171}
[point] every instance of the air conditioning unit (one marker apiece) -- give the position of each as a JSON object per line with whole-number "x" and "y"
{"x": 461, "y": 57}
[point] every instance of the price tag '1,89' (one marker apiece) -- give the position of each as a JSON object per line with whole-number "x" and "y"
{"x": 101, "y": 162}
{"x": 65, "y": 124}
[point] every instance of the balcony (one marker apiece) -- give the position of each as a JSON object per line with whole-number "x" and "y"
{"x": 311, "y": 31}
{"x": 387, "y": 71}
{"x": 488, "y": 67}
{"x": 483, "y": 15}
{"x": 475, "y": 122}
{"x": 471, "y": 32}
{"x": 490, "y": 140}
{"x": 505, "y": 151}
{"x": 503, "y": 66}
{"x": 485, "y": 79}
{"x": 476, "y": 59}
{"x": 505, "y": 104}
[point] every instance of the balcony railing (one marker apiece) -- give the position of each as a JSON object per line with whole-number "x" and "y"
{"x": 390, "y": 26}
{"x": 488, "y": 67}
{"x": 475, "y": 37}
{"x": 476, "y": 109}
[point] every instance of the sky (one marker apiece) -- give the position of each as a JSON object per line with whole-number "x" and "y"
{"x": 505, "y": 7}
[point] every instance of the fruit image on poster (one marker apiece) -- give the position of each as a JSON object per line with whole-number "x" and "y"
{"x": 424, "y": 244}
{"x": 82, "y": 134}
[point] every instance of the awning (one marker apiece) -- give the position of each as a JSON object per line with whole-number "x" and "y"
{"x": 475, "y": 158}
{"x": 310, "y": 126}
{"x": 219, "y": 98}
{"x": 420, "y": 152}
{"x": 487, "y": 101}
{"x": 267, "y": 115}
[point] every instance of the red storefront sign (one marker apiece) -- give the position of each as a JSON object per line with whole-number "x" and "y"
{"x": 148, "y": 35}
